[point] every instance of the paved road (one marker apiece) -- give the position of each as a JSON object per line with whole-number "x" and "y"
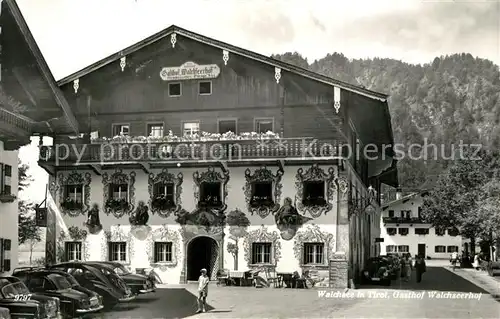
{"x": 249, "y": 302}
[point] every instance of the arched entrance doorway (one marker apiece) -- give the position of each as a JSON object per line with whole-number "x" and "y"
{"x": 202, "y": 252}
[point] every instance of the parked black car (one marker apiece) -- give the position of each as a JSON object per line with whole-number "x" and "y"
{"x": 377, "y": 271}
{"x": 494, "y": 268}
{"x": 111, "y": 287}
{"x": 15, "y": 296}
{"x": 394, "y": 265}
{"x": 139, "y": 284}
{"x": 74, "y": 302}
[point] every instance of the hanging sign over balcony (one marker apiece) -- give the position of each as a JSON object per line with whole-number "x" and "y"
{"x": 190, "y": 71}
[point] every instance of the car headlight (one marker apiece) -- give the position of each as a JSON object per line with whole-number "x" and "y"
{"x": 386, "y": 274}
{"x": 366, "y": 273}
{"x": 51, "y": 309}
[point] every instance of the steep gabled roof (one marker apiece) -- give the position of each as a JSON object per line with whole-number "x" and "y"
{"x": 232, "y": 50}
{"x": 41, "y": 63}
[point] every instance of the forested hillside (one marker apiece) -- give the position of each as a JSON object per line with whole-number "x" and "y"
{"x": 453, "y": 98}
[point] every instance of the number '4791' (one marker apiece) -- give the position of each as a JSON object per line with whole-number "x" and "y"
{"x": 22, "y": 297}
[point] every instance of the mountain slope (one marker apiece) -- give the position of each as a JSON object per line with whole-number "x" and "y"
{"x": 455, "y": 98}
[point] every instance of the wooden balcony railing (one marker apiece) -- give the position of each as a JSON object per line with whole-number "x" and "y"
{"x": 223, "y": 150}
{"x": 403, "y": 220}
{"x": 14, "y": 120}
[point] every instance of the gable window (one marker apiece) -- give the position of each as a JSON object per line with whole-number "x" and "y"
{"x": 390, "y": 249}
{"x": 163, "y": 252}
{"x": 262, "y": 194}
{"x": 421, "y": 231}
{"x": 391, "y": 214}
{"x": 419, "y": 212}
{"x": 190, "y": 128}
{"x": 117, "y": 251}
{"x": 73, "y": 250}
{"x": 452, "y": 249}
{"x": 391, "y": 231}
{"x": 163, "y": 196}
{"x": 264, "y": 125}
{"x": 314, "y": 193}
{"x": 155, "y": 130}
{"x": 439, "y": 232}
{"x": 174, "y": 89}
{"x": 73, "y": 197}
{"x": 440, "y": 249}
{"x": 210, "y": 194}
{"x": 121, "y": 129}
{"x": 403, "y": 249}
{"x": 205, "y": 87}
{"x": 261, "y": 253}
{"x": 228, "y": 125}
{"x": 403, "y": 231}
{"x": 313, "y": 253}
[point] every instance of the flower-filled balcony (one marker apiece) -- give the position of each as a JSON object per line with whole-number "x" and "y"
{"x": 206, "y": 146}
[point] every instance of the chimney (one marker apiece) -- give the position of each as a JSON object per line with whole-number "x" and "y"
{"x": 399, "y": 193}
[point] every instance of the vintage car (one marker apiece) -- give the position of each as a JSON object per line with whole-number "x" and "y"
{"x": 494, "y": 268}
{"x": 139, "y": 284}
{"x": 74, "y": 302}
{"x": 15, "y": 296}
{"x": 394, "y": 265}
{"x": 377, "y": 271}
{"x": 111, "y": 287}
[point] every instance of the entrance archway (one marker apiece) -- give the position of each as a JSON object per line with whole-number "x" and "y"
{"x": 202, "y": 252}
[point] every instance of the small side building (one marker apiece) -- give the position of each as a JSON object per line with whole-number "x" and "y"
{"x": 404, "y": 230}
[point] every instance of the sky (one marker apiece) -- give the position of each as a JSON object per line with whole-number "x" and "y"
{"x": 73, "y": 34}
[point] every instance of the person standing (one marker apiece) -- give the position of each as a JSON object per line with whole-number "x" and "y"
{"x": 407, "y": 267}
{"x": 454, "y": 259}
{"x": 475, "y": 265}
{"x": 420, "y": 267}
{"x": 202, "y": 291}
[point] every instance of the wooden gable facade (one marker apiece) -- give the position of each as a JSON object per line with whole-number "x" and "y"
{"x": 127, "y": 88}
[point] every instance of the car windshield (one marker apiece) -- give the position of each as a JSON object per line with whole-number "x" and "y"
{"x": 59, "y": 281}
{"x": 11, "y": 290}
{"x": 72, "y": 280}
{"x": 122, "y": 270}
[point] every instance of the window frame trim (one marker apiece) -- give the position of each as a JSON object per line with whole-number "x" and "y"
{"x": 314, "y": 244}
{"x": 190, "y": 121}
{"x": 271, "y": 253}
{"x": 155, "y": 123}
{"x": 211, "y": 87}
{"x": 172, "y": 248}
{"x": 222, "y": 119}
{"x": 180, "y": 89}
{"x": 257, "y": 119}
{"x": 119, "y": 124}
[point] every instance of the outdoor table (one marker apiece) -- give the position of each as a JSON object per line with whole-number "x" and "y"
{"x": 239, "y": 275}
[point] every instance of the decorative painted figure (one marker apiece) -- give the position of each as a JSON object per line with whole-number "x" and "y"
{"x": 93, "y": 222}
{"x": 289, "y": 220}
{"x": 140, "y": 217}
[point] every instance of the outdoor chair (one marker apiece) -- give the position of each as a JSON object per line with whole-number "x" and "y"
{"x": 222, "y": 277}
{"x": 273, "y": 278}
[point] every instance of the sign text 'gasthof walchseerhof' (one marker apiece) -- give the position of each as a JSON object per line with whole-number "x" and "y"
{"x": 190, "y": 71}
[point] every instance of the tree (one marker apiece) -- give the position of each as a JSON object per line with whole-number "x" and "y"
{"x": 23, "y": 176}
{"x": 28, "y": 232}
{"x": 466, "y": 197}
